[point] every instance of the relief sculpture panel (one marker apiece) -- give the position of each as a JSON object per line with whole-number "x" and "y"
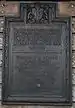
{"x": 37, "y": 13}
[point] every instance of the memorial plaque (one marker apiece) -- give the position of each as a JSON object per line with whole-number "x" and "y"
{"x": 37, "y": 56}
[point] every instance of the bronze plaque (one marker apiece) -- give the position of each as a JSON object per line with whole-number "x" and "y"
{"x": 37, "y": 51}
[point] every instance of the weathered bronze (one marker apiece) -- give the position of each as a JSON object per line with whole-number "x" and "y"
{"x": 37, "y": 56}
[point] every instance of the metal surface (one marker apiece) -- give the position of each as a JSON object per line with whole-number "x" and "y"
{"x": 37, "y": 57}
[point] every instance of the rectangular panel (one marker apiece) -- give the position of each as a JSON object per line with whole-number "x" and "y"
{"x": 37, "y": 66}
{"x": 37, "y": 38}
{"x": 37, "y": 71}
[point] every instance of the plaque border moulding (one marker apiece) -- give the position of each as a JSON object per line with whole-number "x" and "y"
{"x": 67, "y": 100}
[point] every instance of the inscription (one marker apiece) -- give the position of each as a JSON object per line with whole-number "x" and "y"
{"x": 37, "y": 37}
{"x": 36, "y": 62}
{"x": 36, "y": 72}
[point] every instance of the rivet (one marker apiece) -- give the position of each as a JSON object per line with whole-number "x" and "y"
{"x": 38, "y": 85}
{"x": 2, "y": 12}
{"x": 1, "y": 29}
{"x": 3, "y": 5}
{"x": 2, "y": 22}
{"x": 0, "y": 40}
{"x": 72, "y": 5}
